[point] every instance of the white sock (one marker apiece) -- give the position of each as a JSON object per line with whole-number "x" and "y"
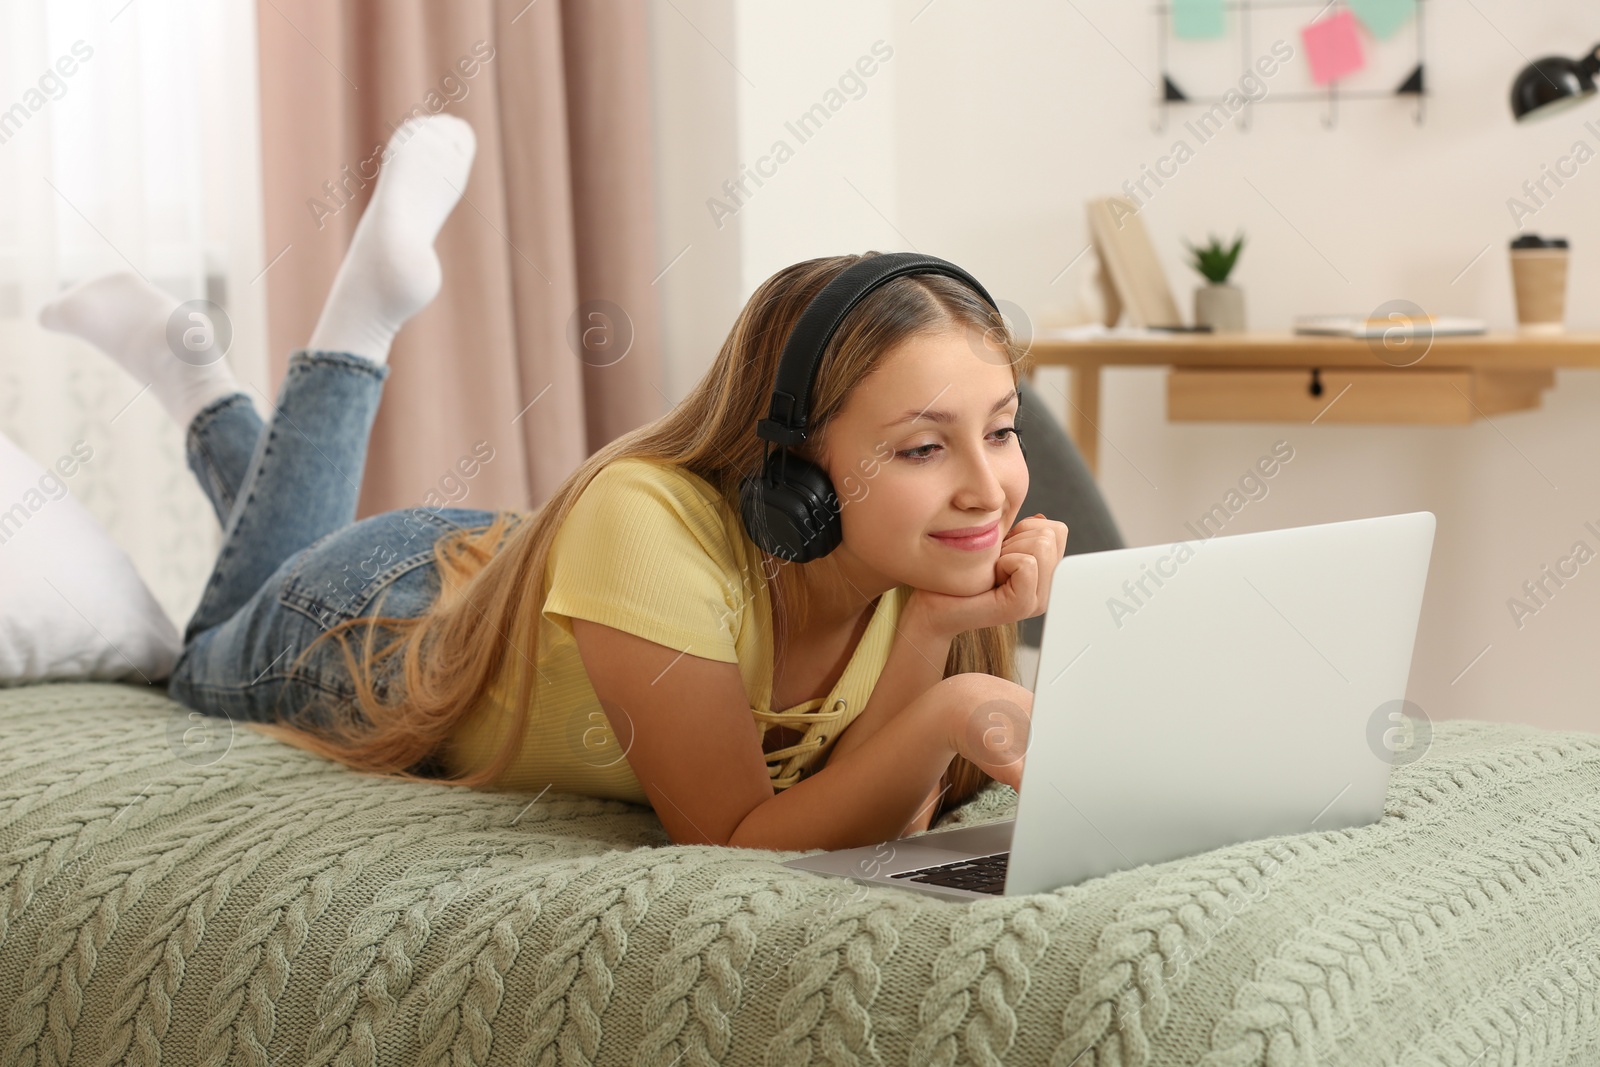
{"x": 391, "y": 271}
{"x": 126, "y": 318}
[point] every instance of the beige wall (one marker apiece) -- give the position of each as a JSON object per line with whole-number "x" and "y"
{"x": 696, "y": 143}
{"x": 980, "y": 139}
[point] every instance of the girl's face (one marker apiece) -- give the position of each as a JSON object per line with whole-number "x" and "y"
{"x": 922, "y": 447}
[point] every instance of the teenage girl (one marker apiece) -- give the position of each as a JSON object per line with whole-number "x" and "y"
{"x": 627, "y": 639}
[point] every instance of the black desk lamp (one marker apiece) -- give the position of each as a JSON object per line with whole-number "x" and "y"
{"x": 1551, "y": 85}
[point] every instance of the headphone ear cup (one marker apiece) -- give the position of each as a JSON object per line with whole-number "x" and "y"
{"x": 791, "y": 510}
{"x": 753, "y": 508}
{"x": 813, "y": 492}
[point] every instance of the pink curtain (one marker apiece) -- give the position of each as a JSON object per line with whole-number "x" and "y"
{"x": 545, "y": 342}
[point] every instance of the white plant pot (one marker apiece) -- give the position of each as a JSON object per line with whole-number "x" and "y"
{"x": 1221, "y": 307}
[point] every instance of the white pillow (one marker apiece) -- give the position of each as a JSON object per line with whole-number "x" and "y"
{"x": 72, "y": 606}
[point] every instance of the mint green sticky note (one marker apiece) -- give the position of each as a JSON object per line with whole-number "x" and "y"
{"x": 1197, "y": 18}
{"x": 1383, "y": 17}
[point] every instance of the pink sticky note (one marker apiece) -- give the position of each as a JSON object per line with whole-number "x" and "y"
{"x": 1334, "y": 47}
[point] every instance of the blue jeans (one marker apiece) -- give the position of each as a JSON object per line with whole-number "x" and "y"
{"x": 293, "y": 560}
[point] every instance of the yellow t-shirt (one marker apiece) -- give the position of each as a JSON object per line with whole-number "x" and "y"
{"x": 653, "y": 549}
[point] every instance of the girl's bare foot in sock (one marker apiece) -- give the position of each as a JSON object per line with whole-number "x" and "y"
{"x": 391, "y": 271}
{"x": 126, "y": 318}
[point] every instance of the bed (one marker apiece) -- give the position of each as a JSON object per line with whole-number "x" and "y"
{"x": 241, "y": 901}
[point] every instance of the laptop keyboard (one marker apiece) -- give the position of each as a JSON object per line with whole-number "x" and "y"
{"x": 984, "y": 874}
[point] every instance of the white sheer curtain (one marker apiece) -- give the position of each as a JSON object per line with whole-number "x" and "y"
{"x": 129, "y": 140}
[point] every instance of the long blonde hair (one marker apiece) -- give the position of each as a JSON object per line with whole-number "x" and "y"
{"x": 492, "y": 578}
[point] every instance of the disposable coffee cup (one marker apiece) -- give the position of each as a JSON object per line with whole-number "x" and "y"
{"x": 1539, "y": 277}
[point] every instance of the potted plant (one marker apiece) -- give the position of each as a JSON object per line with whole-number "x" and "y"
{"x": 1218, "y": 304}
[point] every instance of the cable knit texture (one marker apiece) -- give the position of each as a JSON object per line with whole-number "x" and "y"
{"x": 269, "y": 907}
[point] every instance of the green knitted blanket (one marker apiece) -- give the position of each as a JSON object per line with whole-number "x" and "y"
{"x": 242, "y": 901}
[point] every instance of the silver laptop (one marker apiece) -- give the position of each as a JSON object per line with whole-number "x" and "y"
{"x": 1191, "y": 696}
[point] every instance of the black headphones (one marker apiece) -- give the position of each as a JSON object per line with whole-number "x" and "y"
{"x": 790, "y": 510}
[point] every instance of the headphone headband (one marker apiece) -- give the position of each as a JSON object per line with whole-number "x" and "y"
{"x": 789, "y": 415}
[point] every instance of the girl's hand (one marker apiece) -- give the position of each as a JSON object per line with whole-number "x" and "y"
{"x": 1022, "y": 574}
{"x": 990, "y": 724}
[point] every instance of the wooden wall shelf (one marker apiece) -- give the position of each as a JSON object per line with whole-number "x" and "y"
{"x": 1269, "y": 377}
